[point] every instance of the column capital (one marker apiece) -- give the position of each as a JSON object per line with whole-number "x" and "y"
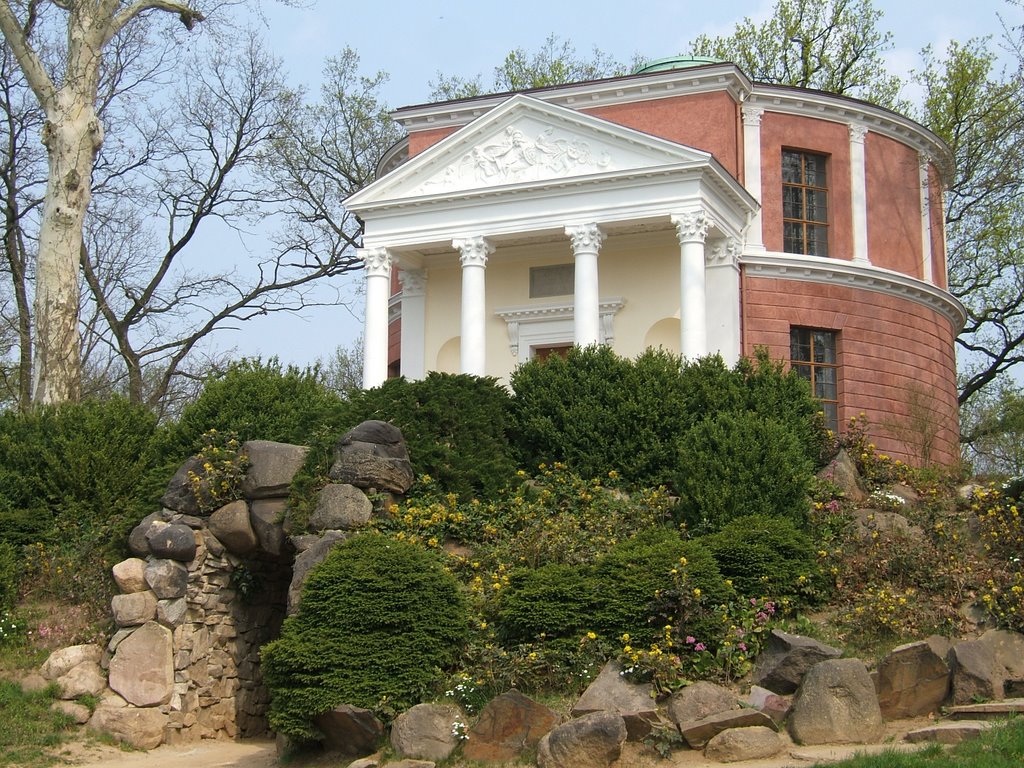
{"x": 857, "y": 132}
{"x": 692, "y": 226}
{"x": 377, "y": 261}
{"x": 474, "y": 250}
{"x": 585, "y": 237}
{"x": 752, "y": 115}
{"x": 723, "y": 251}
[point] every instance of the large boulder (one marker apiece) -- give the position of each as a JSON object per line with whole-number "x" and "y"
{"x": 842, "y": 471}
{"x": 352, "y": 731}
{"x": 188, "y": 491}
{"x": 373, "y": 455}
{"x": 173, "y": 541}
{"x": 786, "y": 658}
{"x": 267, "y": 519}
{"x": 1008, "y": 648}
{"x": 138, "y": 539}
{"x": 310, "y": 554}
{"x": 510, "y": 726}
{"x": 130, "y": 575}
{"x": 699, "y": 700}
{"x": 591, "y": 741}
{"x": 232, "y": 527}
{"x": 340, "y": 507}
{"x": 611, "y": 692}
{"x": 737, "y": 744}
{"x": 85, "y": 679}
{"x": 976, "y": 672}
{"x": 134, "y": 609}
{"x": 63, "y": 660}
{"x": 913, "y": 679}
{"x": 142, "y": 669}
{"x": 836, "y": 704}
{"x": 427, "y": 731}
{"x": 141, "y": 728}
{"x": 698, "y": 733}
{"x": 272, "y": 466}
{"x": 167, "y": 578}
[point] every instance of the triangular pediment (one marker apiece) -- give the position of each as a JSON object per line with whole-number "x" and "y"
{"x": 524, "y": 141}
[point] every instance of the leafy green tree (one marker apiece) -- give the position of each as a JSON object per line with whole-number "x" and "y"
{"x": 993, "y": 431}
{"x": 833, "y": 46}
{"x": 556, "y": 62}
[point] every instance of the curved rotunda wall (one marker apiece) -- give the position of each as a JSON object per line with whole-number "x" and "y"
{"x": 895, "y": 355}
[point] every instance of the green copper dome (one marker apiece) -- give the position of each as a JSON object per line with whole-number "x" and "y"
{"x": 675, "y": 62}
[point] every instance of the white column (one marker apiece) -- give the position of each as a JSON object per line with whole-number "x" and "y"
{"x": 586, "y": 322}
{"x": 692, "y": 229}
{"x": 858, "y": 193}
{"x": 926, "y": 220}
{"x": 752, "y": 172}
{"x": 475, "y": 251}
{"x": 375, "y": 324}
{"x": 414, "y": 319}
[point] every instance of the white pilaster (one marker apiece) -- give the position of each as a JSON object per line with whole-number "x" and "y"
{"x": 414, "y": 320}
{"x": 475, "y": 251}
{"x": 375, "y": 324}
{"x": 926, "y": 220}
{"x": 752, "y": 172}
{"x": 692, "y": 229}
{"x": 586, "y": 244}
{"x": 858, "y": 193}
{"x": 722, "y": 284}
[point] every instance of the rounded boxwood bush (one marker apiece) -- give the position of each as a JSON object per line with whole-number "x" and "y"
{"x": 741, "y": 463}
{"x": 764, "y": 556}
{"x": 379, "y": 621}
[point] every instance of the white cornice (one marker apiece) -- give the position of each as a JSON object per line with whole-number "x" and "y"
{"x": 785, "y": 266}
{"x": 559, "y": 311}
{"x": 610, "y": 91}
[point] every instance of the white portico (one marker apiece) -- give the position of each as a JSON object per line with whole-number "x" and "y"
{"x": 537, "y": 226}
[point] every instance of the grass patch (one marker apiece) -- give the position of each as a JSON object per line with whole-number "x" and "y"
{"x": 1002, "y": 747}
{"x": 29, "y": 729}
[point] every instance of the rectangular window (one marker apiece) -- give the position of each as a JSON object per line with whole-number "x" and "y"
{"x": 812, "y": 354}
{"x": 804, "y": 203}
{"x": 556, "y": 280}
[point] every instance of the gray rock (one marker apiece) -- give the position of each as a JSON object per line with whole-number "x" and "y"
{"x": 267, "y": 519}
{"x": 138, "y": 539}
{"x": 304, "y": 563}
{"x": 836, "y": 704}
{"x": 167, "y": 578}
{"x": 510, "y": 726}
{"x": 352, "y": 731}
{"x": 977, "y": 675}
{"x": 786, "y": 659}
{"x": 1008, "y": 648}
{"x": 340, "y": 507}
{"x": 843, "y": 472}
{"x": 611, "y": 692}
{"x": 913, "y": 679}
{"x": 33, "y": 682}
{"x": 173, "y": 541}
{"x": 424, "y": 732}
{"x": 699, "y": 700}
{"x": 591, "y": 741}
{"x": 171, "y": 613}
{"x": 130, "y": 575}
{"x": 699, "y": 732}
{"x": 271, "y": 468}
{"x": 777, "y": 707}
{"x": 949, "y": 733}
{"x": 373, "y": 455}
{"x": 230, "y": 524}
{"x": 85, "y": 679}
{"x": 142, "y": 669}
{"x": 180, "y": 495}
{"x": 737, "y": 744}
{"x": 142, "y": 728}
{"x": 134, "y": 609}
{"x": 63, "y": 660}
{"x": 892, "y": 525}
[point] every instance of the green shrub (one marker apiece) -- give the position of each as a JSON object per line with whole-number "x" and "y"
{"x": 598, "y": 413}
{"x": 741, "y": 463}
{"x": 618, "y": 594}
{"x": 378, "y": 622}
{"x": 255, "y": 401}
{"x": 9, "y": 575}
{"x": 453, "y": 424}
{"x": 765, "y": 557}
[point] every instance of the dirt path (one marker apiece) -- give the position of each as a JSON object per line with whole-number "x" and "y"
{"x": 252, "y": 753}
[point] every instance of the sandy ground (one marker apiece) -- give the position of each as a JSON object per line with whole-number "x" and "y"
{"x": 258, "y": 753}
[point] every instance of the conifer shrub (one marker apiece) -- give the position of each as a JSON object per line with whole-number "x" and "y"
{"x": 552, "y": 601}
{"x": 741, "y": 463}
{"x": 766, "y": 557}
{"x": 454, "y": 426}
{"x": 9, "y": 575}
{"x": 379, "y": 622}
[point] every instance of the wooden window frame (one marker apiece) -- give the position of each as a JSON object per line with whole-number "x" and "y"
{"x": 818, "y": 245}
{"x": 809, "y": 368}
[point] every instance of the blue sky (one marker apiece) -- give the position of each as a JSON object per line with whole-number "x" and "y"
{"x": 413, "y": 41}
